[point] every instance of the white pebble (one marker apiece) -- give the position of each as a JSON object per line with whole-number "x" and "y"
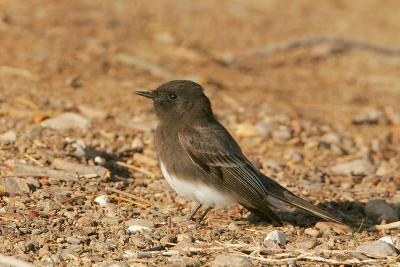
{"x": 137, "y": 228}
{"x": 276, "y": 236}
{"x": 99, "y": 161}
{"x": 102, "y": 200}
{"x": 392, "y": 240}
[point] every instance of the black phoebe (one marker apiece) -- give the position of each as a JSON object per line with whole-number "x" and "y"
{"x": 202, "y": 162}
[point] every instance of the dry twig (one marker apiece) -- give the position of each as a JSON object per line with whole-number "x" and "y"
{"x": 148, "y": 203}
{"x": 133, "y": 167}
{"x": 388, "y": 226}
{"x": 17, "y": 71}
{"x": 344, "y": 44}
{"x": 128, "y": 200}
{"x": 34, "y": 160}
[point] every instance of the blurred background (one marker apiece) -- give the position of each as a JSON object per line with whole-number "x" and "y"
{"x": 100, "y": 51}
{"x": 310, "y": 89}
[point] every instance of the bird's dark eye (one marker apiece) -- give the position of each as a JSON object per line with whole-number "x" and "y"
{"x": 172, "y": 96}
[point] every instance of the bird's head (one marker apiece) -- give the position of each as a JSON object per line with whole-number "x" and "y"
{"x": 179, "y": 100}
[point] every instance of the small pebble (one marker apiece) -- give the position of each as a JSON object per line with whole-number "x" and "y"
{"x": 99, "y": 161}
{"x": 33, "y": 182}
{"x": 137, "y": 228}
{"x": 30, "y": 246}
{"x": 15, "y": 185}
{"x": 392, "y": 240}
{"x": 102, "y": 200}
{"x": 378, "y": 248}
{"x": 231, "y": 260}
{"x": 179, "y": 261}
{"x": 276, "y": 236}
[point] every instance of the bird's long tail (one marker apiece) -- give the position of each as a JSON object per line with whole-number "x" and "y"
{"x": 277, "y": 191}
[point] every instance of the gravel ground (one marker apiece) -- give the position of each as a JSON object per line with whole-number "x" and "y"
{"x": 80, "y": 183}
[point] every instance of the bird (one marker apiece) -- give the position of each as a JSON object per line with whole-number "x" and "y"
{"x": 202, "y": 162}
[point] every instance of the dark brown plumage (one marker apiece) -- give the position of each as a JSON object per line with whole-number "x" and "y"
{"x": 202, "y": 162}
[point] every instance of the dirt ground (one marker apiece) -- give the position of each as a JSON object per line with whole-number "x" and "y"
{"x": 322, "y": 119}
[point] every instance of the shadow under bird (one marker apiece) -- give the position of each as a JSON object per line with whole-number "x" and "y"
{"x": 202, "y": 162}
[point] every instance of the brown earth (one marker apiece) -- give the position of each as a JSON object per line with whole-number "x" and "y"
{"x": 297, "y": 113}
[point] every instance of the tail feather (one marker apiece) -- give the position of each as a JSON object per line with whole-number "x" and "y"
{"x": 279, "y": 192}
{"x": 263, "y": 211}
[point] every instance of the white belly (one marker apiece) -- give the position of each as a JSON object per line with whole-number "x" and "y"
{"x": 198, "y": 192}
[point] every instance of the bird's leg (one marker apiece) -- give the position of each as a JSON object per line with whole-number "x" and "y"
{"x": 204, "y": 214}
{"x": 194, "y": 212}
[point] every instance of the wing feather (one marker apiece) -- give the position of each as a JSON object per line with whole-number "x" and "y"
{"x": 217, "y": 153}
{"x": 238, "y": 174}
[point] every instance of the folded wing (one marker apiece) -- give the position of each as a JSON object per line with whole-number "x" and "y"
{"x": 217, "y": 154}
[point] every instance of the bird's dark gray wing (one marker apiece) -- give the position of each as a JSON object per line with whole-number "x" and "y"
{"x": 216, "y": 152}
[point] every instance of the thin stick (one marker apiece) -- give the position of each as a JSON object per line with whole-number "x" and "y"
{"x": 128, "y": 195}
{"x": 388, "y": 226}
{"x": 17, "y": 71}
{"x": 34, "y": 160}
{"x": 312, "y": 41}
{"x": 133, "y": 167}
{"x": 128, "y": 200}
{"x": 26, "y": 102}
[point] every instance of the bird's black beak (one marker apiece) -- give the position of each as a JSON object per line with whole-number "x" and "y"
{"x": 148, "y": 94}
